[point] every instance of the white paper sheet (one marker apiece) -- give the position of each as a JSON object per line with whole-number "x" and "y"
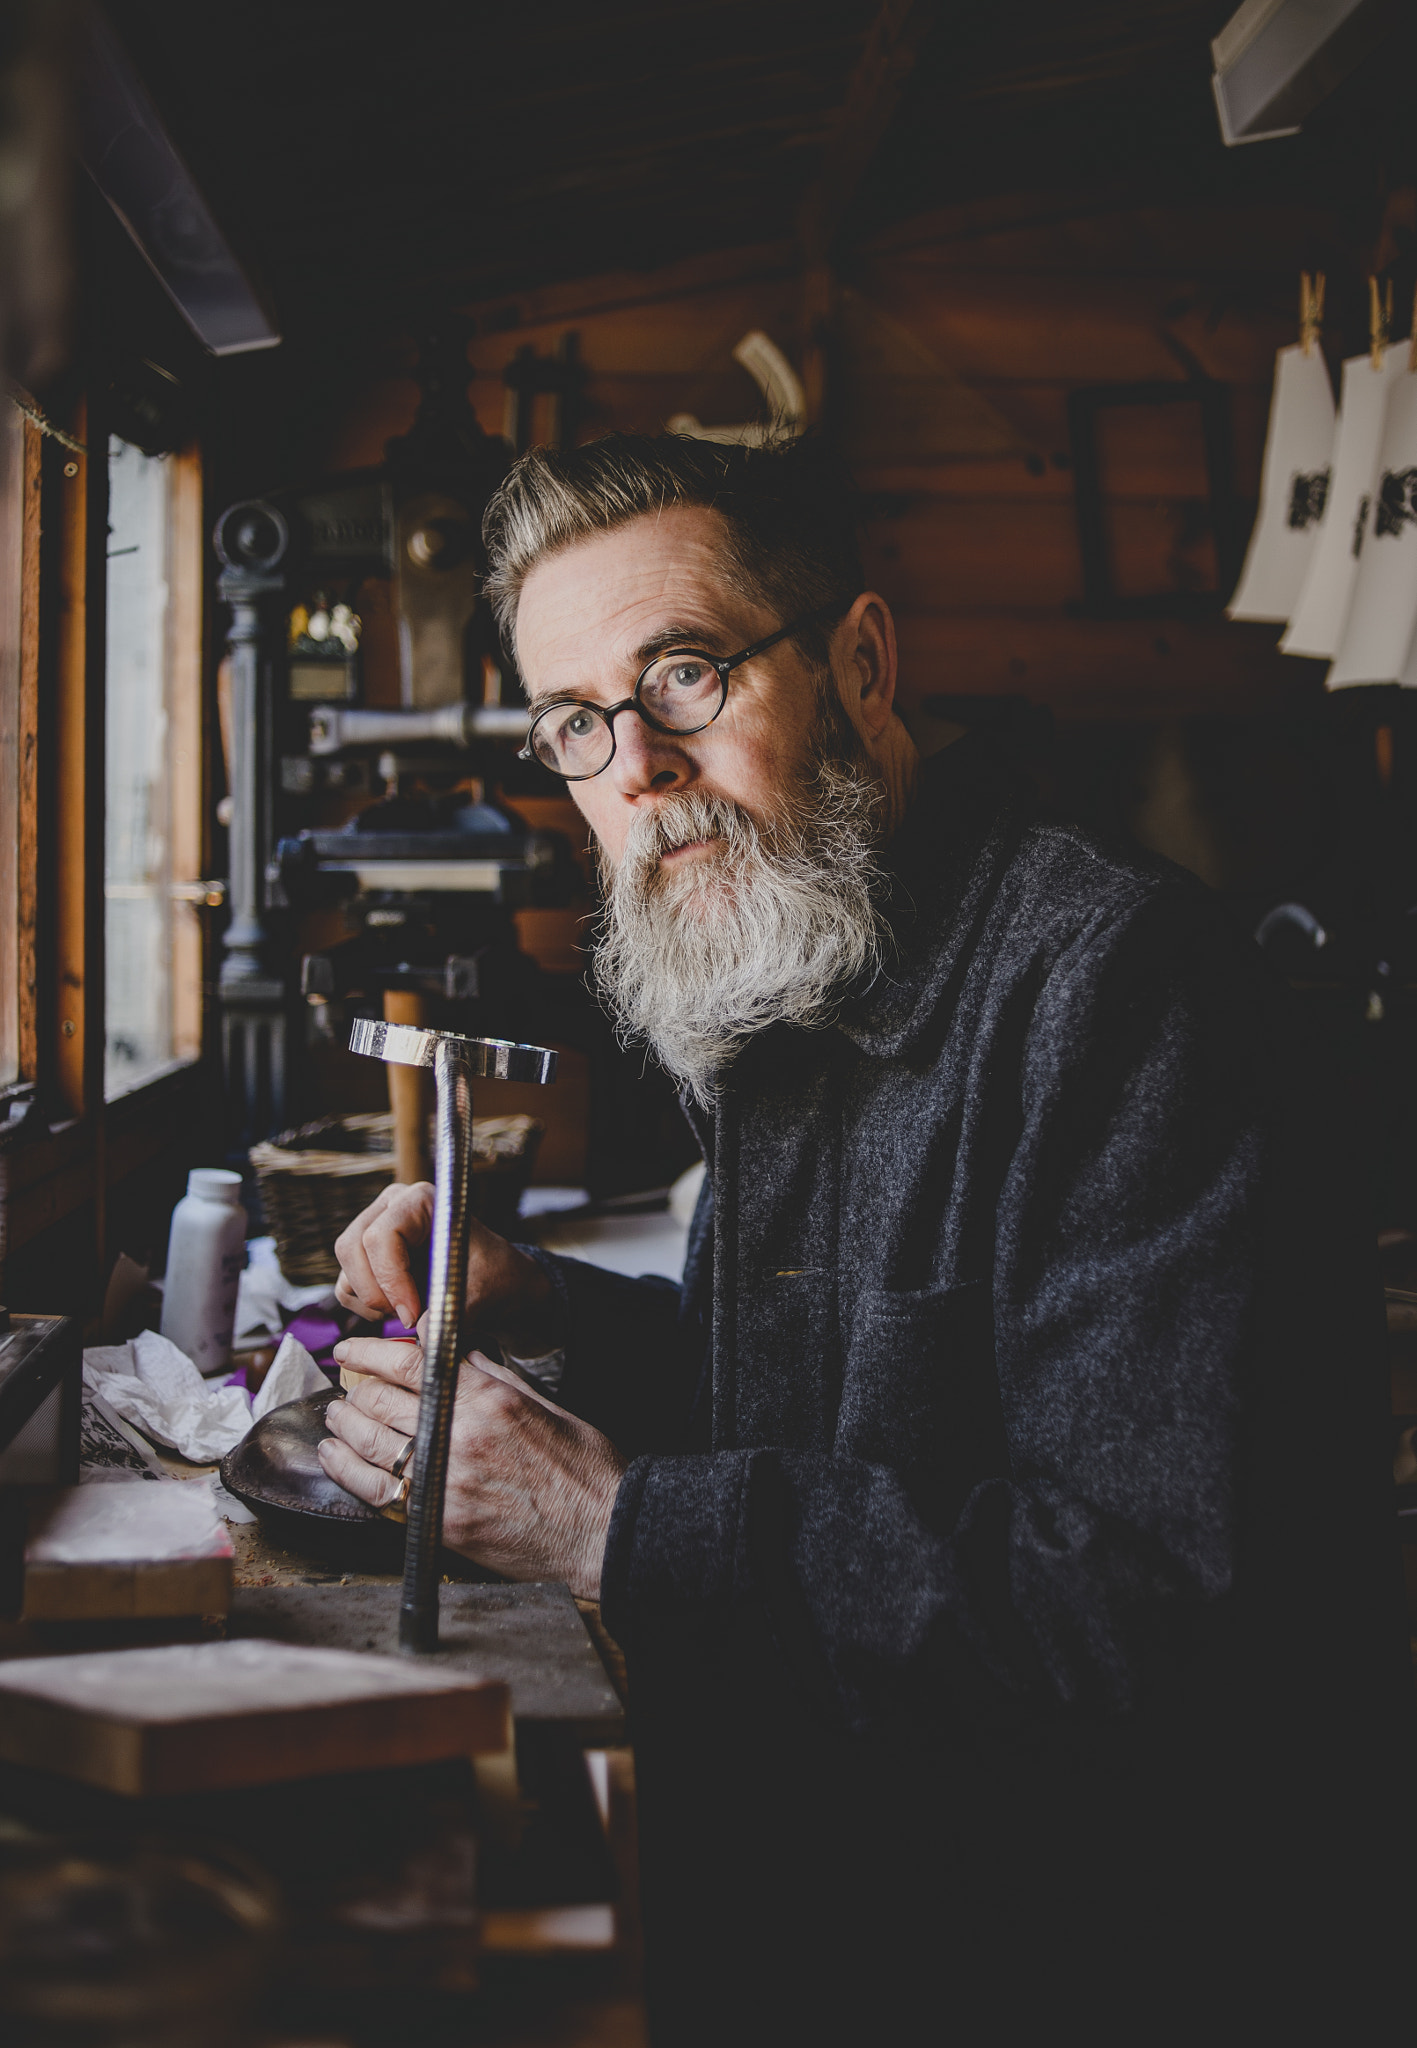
{"x": 292, "y": 1376}
{"x": 127, "y": 1525}
{"x": 1293, "y": 488}
{"x": 1321, "y": 612}
{"x": 154, "y": 1385}
{"x": 227, "y": 1505}
{"x": 1381, "y": 618}
{"x": 263, "y": 1292}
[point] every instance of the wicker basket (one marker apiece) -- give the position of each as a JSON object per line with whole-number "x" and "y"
{"x": 315, "y": 1181}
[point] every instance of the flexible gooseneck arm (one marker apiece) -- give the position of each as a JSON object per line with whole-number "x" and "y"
{"x": 456, "y": 1062}
{"x": 447, "y": 1290}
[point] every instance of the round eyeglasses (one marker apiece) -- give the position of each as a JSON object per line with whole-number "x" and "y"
{"x": 681, "y": 691}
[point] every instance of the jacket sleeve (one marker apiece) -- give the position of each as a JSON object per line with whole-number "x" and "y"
{"x": 634, "y": 1349}
{"x": 1126, "y": 1263}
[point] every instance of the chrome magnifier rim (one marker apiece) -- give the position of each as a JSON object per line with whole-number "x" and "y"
{"x": 486, "y": 1059}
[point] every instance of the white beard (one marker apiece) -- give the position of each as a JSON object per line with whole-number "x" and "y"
{"x": 696, "y": 958}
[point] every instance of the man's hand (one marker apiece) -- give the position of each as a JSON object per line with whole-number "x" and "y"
{"x": 530, "y": 1488}
{"x": 376, "y": 1279}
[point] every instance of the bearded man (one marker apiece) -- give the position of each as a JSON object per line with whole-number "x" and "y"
{"x": 963, "y": 1513}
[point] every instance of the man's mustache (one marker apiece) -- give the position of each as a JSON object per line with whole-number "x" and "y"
{"x": 685, "y": 821}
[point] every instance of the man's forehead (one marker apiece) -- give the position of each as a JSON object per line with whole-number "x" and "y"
{"x": 604, "y": 603}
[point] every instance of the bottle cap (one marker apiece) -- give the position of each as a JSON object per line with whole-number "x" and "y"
{"x": 215, "y": 1184}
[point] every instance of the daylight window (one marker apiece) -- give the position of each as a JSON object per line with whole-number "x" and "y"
{"x": 152, "y": 776}
{"x": 12, "y": 487}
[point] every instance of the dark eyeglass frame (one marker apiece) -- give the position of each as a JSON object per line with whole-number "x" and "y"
{"x": 723, "y": 665}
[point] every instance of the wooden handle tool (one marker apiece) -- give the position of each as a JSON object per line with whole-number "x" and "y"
{"x": 410, "y": 1094}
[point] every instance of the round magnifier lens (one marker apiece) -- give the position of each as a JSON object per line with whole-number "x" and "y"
{"x": 682, "y": 692}
{"x": 572, "y": 740}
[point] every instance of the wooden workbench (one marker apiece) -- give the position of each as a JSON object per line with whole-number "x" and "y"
{"x": 558, "y": 1977}
{"x": 540, "y": 1988}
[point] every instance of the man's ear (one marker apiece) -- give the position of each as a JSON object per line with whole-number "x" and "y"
{"x": 864, "y": 654}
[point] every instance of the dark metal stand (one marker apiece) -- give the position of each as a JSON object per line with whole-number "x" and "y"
{"x": 253, "y": 541}
{"x": 456, "y": 1062}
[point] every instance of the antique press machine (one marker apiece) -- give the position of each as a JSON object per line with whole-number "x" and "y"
{"x": 423, "y": 874}
{"x": 372, "y": 869}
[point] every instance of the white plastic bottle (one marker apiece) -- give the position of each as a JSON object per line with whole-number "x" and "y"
{"x": 205, "y": 1254}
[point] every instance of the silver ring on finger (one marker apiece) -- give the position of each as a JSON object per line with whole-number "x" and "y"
{"x": 401, "y": 1461}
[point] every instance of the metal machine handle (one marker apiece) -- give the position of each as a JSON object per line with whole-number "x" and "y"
{"x": 457, "y": 725}
{"x": 456, "y": 1062}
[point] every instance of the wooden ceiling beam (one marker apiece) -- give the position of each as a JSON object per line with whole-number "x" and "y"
{"x": 873, "y": 95}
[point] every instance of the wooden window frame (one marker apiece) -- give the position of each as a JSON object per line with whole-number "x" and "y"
{"x": 59, "y": 1161}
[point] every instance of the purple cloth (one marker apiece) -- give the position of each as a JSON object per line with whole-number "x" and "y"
{"x": 320, "y": 1333}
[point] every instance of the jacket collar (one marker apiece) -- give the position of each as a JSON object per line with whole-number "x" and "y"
{"x": 943, "y": 868}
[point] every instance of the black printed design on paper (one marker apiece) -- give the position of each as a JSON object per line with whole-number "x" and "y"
{"x": 1395, "y": 506}
{"x": 1308, "y": 494}
{"x": 1359, "y": 523}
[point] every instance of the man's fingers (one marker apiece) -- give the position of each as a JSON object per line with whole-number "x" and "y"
{"x": 374, "y": 1252}
{"x": 402, "y": 1223}
{"x": 387, "y": 1358}
{"x": 357, "y": 1287}
{"x": 373, "y": 1440}
{"x": 366, "y": 1482}
{"x": 394, "y": 1407}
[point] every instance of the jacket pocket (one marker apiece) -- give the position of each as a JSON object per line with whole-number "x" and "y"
{"x": 920, "y": 1393}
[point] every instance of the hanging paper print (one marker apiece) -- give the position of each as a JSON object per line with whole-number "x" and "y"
{"x": 1293, "y": 488}
{"x": 1319, "y": 617}
{"x": 1383, "y": 613}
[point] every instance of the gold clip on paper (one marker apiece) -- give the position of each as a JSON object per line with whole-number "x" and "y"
{"x": 1311, "y": 309}
{"x": 1379, "y": 319}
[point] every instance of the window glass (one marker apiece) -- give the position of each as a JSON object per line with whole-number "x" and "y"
{"x": 151, "y": 942}
{"x": 12, "y": 503}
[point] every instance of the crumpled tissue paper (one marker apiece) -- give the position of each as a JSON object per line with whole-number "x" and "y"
{"x": 150, "y": 1382}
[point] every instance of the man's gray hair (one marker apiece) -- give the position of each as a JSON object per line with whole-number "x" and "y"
{"x": 789, "y": 510}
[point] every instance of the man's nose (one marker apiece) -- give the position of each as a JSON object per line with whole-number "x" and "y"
{"x": 647, "y": 762}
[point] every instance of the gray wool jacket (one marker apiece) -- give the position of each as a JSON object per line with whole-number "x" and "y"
{"x": 957, "y": 1389}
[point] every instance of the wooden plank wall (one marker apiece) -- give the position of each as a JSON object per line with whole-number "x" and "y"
{"x": 955, "y": 342}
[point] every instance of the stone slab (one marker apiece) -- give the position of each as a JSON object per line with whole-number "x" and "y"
{"x": 531, "y": 1637}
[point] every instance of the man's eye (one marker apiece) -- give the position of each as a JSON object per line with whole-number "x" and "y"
{"x": 686, "y": 675}
{"x": 576, "y": 725}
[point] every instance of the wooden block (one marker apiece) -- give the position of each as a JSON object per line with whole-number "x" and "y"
{"x": 192, "y": 1717}
{"x": 127, "y": 1592}
{"x": 125, "y": 1551}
